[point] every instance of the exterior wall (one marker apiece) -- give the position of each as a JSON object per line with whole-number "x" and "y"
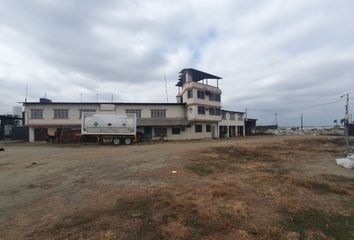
{"x": 228, "y": 122}
{"x": 192, "y": 113}
{"x": 194, "y": 101}
{"x": 31, "y": 134}
{"x": 233, "y": 123}
{"x": 195, "y": 86}
{"x": 172, "y": 111}
{"x": 189, "y": 133}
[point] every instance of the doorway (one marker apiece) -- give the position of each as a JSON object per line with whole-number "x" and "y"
{"x": 40, "y": 134}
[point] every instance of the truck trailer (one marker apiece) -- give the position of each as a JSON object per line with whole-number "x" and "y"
{"x": 116, "y": 128}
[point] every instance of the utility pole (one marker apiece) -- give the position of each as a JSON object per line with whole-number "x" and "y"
{"x": 302, "y": 121}
{"x": 346, "y": 120}
{"x": 276, "y": 119}
{"x": 246, "y": 114}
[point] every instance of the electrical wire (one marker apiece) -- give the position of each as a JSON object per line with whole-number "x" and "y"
{"x": 297, "y": 109}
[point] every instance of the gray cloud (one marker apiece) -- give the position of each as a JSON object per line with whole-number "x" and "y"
{"x": 273, "y": 55}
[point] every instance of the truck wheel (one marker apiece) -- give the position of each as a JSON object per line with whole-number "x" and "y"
{"x": 128, "y": 141}
{"x": 116, "y": 141}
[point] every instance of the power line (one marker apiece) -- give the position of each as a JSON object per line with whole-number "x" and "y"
{"x": 296, "y": 109}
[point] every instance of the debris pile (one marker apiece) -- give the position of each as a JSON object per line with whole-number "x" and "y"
{"x": 309, "y": 131}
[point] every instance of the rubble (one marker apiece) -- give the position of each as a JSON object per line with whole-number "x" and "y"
{"x": 308, "y": 131}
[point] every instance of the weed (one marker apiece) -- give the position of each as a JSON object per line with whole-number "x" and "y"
{"x": 318, "y": 187}
{"x": 221, "y": 222}
{"x": 337, "y": 178}
{"x": 276, "y": 170}
{"x": 245, "y": 154}
{"x": 333, "y": 225}
{"x": 200, "y": 169}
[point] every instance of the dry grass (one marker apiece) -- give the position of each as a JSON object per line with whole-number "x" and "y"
{"x": 260, "y": 191}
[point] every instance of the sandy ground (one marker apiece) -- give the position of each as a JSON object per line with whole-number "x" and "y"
{"x": 95, "y": 192}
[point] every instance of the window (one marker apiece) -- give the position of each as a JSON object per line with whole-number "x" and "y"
{"x": 232, "y": 116}
{"x": 201, "y": 110}
{"x": 61, "y": 113}
{"x": 211, "y": 96}
{"x": 214, "y": 97}
{"x": 136, "y": 111}
{"x": 36, "y": 113}
{"x": 86, "y": 110}
{"x": 190, "y": 94}
{"x": 176, "y": 131}
{"x": 223, "y": 116}
{"x": 240, "y": 117}
{"x": 214, "y": 111}
{"x": 198, "y": 128}
{"x": 201, "y": 94}
{"x": 208, "y": 128}
{"x": 158, "y": 113}
{"x": 160, "y": 132}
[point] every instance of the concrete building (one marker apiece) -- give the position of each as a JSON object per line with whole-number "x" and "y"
{"x": 231, "y": 124}
{"x": 197, "y": 113}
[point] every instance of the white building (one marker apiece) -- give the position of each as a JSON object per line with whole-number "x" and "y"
{"x": 196, "y": 115}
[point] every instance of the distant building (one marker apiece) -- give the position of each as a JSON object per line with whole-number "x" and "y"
{"x": 196, "y": 115}
{"x": 7, "y": 123}
{"x": 251, "y": 126}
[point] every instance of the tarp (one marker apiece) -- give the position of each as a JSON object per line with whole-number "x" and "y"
{"x": 347, "y": 162}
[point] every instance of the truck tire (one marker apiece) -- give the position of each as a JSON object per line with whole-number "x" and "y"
{"x": 128, "y": 141}
{"x": 116, "y": 141}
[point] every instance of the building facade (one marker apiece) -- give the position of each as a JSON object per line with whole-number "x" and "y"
{"x": 197, "y": 114}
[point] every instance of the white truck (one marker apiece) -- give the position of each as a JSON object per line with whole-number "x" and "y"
{"x": 117, "y": 128}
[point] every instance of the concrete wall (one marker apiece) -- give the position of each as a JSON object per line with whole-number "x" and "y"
{"x": 48, "y": 120}
{"x": 172, "y": 111}
{"x": 230, "y": 123}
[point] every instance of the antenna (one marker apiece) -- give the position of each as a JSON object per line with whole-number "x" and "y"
{"x": 165, "y": 85}
{"x": 26, "y": 90}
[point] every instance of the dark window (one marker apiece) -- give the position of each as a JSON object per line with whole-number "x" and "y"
{"x": 176, "y": 131}
{"x": 217, "y": 97}
{"x": 211, "y": 111}
{"x": 198, "y": 128}
{"x": 240, "y": 116}
{"x": 217, "y": 111}
{"x": 36, "y": 113}
{"x": 223, "y": 115}
{"x": 190, "y": 94}
{"x": 208, "y": 128}
{"x": 158, "y": 113}
{"x": 160, "y": 132}
{"x": 136, "y": 111}
{"x": 232, "y": 116}
{"x": 211, "y": 96}
{"x": 201, "y": 94}
{"x": 61, "y": 113}
{"x": 201, "y": 110}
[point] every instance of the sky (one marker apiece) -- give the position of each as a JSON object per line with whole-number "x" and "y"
{"x": 275, "y": 56}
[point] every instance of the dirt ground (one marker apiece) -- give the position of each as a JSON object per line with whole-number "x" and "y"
{"x": 284, "y": 187}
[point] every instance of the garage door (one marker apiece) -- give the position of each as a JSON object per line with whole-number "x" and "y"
{"x": 40, "y": 134}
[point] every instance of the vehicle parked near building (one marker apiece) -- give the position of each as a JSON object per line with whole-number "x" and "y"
{"x": 109, "y": 127}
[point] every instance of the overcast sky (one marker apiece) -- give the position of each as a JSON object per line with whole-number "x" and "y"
{"x": 274, "y": 56}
